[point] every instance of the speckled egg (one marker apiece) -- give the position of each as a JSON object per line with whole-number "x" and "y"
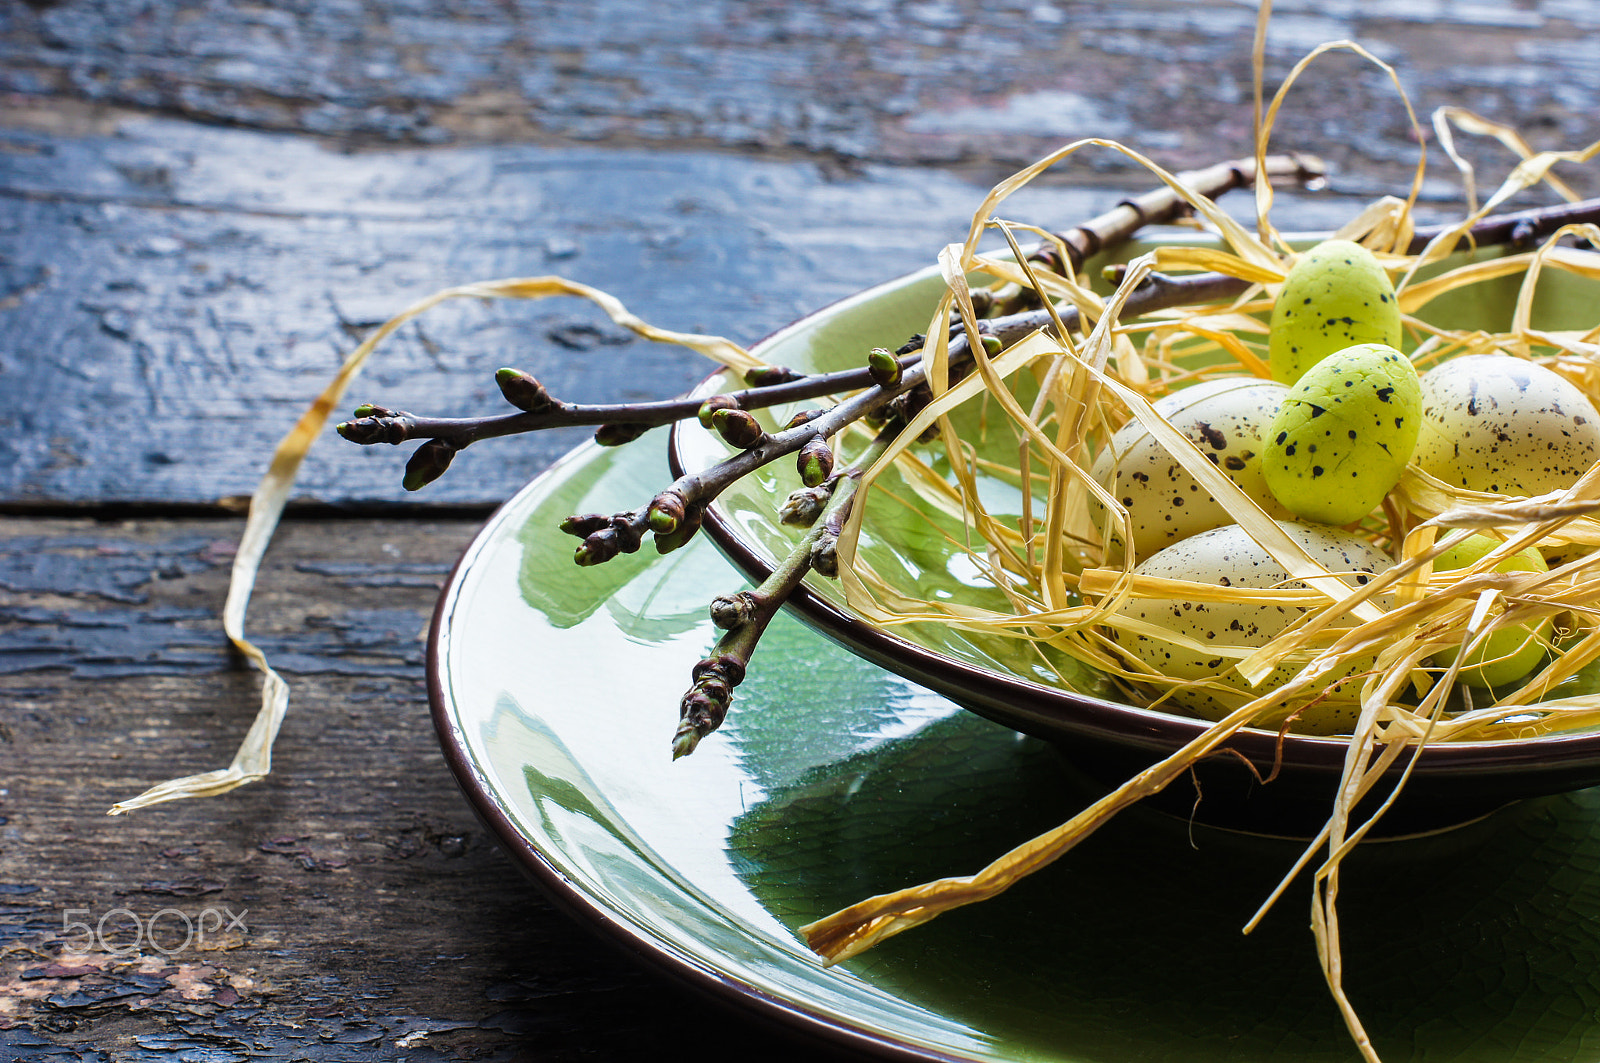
{"x": 1336, "y": 294}
{"x": 1228, "y": 557}
{"x": 1492, "y": 422}
{"x": 1225, "y": 419}
{"x": 1343, "y": 434}
{"x": 1508, "y": 655}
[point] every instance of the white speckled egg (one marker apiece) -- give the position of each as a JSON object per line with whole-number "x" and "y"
{"x": 1492, "y": 422}
{"x": 1225, "y": 419}
{"x": 1228, "y": 557}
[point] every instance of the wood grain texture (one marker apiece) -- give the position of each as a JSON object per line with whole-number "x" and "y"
{"x": 985, "y": 84}
{"x": 158, "y": 340}
{"x": 374, "y": 911}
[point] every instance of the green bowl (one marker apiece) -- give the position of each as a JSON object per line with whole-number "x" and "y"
{"x": 1107, "y": 738}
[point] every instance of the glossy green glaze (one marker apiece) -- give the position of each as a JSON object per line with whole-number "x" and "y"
{"x": 557, "y": 691}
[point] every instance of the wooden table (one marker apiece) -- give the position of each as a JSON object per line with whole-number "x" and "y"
{"x": 203, "y": 207}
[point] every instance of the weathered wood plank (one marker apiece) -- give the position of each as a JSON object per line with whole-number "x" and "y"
{"x": 374, "y": 910}
{"x": 157, "y": 341}
{"x": 170, "y": 293}
{"x": 969, "y": 83}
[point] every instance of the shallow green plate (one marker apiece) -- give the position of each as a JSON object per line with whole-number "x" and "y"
{"x": 555, "y": 692}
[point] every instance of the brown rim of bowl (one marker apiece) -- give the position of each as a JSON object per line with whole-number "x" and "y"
{"x": 781, "y": 1016}
{"x": 1550, "y": 764}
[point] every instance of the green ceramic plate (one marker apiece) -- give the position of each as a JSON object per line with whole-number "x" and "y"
{"x": 908, "y": 543}
{"x": 555, "y": 692}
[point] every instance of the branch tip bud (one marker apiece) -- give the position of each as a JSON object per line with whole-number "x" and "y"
{"x": 523, "y": 391}
{"x": 597, "y": 548}
{"x": 884, "y": 367}
{"x": 615, "y": 435}
{"x": 685, "y": 741}
{"x": 688, "y": 524}
{"x": 584, "y": 525}
{"x": 709, "y": 407}
{"x": 802, "y": 508}
{"x": 374, "y": 424}
{"x": 814, "y": 462}
{"x": 766, "y": 376}
{"x": 825, "y": 557}
{"x": 666, "y": 512}
{"x": 428, "y": 463}
{"x": 802, "y": 417}
{"x": 705, "y": 705}
{"x": 732, "y": 611}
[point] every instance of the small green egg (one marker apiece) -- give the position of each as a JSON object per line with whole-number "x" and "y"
{"x": 1343, "y": 435}
{"x": 1336, "y": 294}
{"x": 1510, "y": 653}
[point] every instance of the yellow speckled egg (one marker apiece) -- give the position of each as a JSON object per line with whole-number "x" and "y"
{"x": 1492, "y": 422}
{"x": 1229, "y": 557}
{"x": 1336, "y": 295}
{"x": 1344, "y": 433}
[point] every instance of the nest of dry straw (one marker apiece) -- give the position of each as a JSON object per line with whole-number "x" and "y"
{"x": 1064, "y": 577}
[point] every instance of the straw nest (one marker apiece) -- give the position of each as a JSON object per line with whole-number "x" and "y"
{"x": 1061, "y": 563}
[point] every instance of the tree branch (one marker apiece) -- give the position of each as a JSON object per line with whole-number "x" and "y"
{"x": 745, "y": 615}
{"x": 772, "y": 386}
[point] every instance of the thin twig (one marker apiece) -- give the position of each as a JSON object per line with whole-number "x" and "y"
{"x": 747, "y": 614}
{"x": 374, "y": 424}
{"x": 1163, "y": 205}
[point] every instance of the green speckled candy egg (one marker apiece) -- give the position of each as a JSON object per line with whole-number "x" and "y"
{"x": 1336, "y": 295}
{"x": 1492, "y": 422}
{"x": 1229, "y": 557}
{"x": 1507, "y": 655}
{"x": 1344, "y": 433}
{"x": 1225, "y": 418}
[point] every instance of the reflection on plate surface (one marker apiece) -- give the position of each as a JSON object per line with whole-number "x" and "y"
{"x": 556, "y": 691}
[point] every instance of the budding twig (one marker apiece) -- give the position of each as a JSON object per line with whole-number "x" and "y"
{"x": 745, "y": 615}
{"x": 774, "y": 385}
{"x": 1158, "y": 292}
{"x": 1523, "y": 227}
{"x": 375, "y": 424}
{"x": 1164, "y": 205}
